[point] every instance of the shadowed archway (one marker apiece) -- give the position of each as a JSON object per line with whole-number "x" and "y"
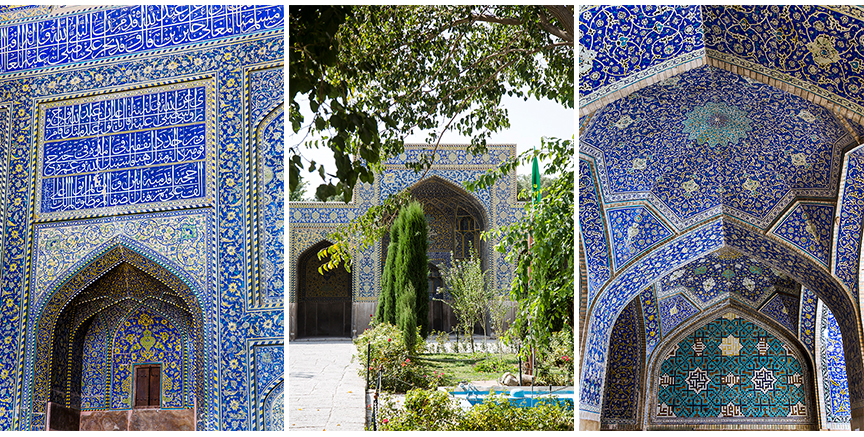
{"x": 111, "y": 282}
{"x": 324, "y": 302}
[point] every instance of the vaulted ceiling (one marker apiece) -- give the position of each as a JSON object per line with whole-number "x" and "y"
{"x": 813, "y": 51}
{"x": 709, "y": 141}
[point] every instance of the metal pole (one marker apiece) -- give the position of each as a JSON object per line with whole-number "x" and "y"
{"x": 520, "y": 370}
{"x": 368, "y": 364}
{"x": 375, "y": 406}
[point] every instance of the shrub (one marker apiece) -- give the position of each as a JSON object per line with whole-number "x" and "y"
{"x": 495, "y": 364}
{"x": 424, "y": 410}
{"x": 391, "y": 355}
{"x": 497, "y": 414}
{"x": 434, "y": 410}
{"x": 562, "y": 350}
{"x": 556, "y": 365}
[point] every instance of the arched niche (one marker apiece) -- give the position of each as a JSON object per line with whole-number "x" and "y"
{"x": 730, "y": 369}
{"x": 110, "y": 282}
{"x": 695, "y": 243}
{"x": 324, "y": 302}
{"x": 624, "y": 377}
{"x": 455, "y": 219}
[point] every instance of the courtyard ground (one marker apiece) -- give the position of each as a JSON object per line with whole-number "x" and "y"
{"x": 324, "y": 390}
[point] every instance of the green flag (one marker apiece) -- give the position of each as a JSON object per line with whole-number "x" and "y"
{"x": 535, "y": 179}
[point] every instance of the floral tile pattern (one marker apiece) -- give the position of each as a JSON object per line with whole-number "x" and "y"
{"x": 178, "y": 244}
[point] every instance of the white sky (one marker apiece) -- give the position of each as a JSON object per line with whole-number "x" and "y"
{"x": 528, "y": 122}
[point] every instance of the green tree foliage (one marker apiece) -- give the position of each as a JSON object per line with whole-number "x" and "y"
{"x": 407, "y": 316}
{"x": 297, "y": 193}
{"x": 386, "y": 310}
{"x": 543, "y": 284}
{"x": 374, "y": 74}
{"x": 523, "y": 186}
{"x": 412, "y": 268}
{"x": 469, "y": 293}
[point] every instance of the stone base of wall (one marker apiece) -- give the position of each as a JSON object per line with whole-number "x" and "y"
{"x": 61, "y": 418}
{"x": 138, "y": 420}
{"x": 857, "y": 422}
{"x": 362, "y": 319}
{"x": 589, "y": 425}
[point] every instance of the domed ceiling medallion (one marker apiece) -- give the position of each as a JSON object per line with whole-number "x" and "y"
{"x": 717, "y": 124}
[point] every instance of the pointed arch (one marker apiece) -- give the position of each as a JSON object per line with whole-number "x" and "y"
{"x": 324, "y": 302}
{"x": 84, "y": 273}
{"x": 796, "y": 369}
{"x": 695, "y": 243}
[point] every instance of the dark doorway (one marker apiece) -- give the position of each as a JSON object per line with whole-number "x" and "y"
{"x": 148, "y": 380}
{"x": 323, "y": 301}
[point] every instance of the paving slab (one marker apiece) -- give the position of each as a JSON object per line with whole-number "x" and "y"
{"x": 325, "y": 393}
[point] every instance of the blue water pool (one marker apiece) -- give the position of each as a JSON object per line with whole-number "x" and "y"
{"x": 517, "y": 396}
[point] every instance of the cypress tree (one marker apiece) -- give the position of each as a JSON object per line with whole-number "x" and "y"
{"x": 412, "y": 262}
{"x": 407, "y": 317}
{"x": 386, "y": 310}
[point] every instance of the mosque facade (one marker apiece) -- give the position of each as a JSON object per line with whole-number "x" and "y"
{"x": 721, "y": 153}
{"x": 341, "y": 303}
{"x": 141, "y": 192}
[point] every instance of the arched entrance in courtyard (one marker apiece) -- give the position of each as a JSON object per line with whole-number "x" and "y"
{"x": 454, "y": 219}
{"x": 120, "y": 345}
{"x": 323, "y": 301}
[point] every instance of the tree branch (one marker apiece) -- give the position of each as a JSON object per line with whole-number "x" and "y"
{"x": 467, "y": 99}
{"x": 488, "y": 19}
{"x": 564, "y": 14}
{"x": 547, "y": 26}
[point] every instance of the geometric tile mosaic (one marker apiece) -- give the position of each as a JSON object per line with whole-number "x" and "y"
{"x": 813, "y": 277}
{"x": 634, "y": 230}
{"x": 651, "y": 268}
{"x": 101, "y": 66}
{"x": 703, "y": 377}
{"x": 808, "y": 227}
{"x": 708, "y": 142}
{"x": 835, "y": 385}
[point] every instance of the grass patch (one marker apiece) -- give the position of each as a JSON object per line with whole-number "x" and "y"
{"x": 470, "y": 367}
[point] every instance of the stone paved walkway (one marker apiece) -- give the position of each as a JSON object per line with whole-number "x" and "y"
{"x": 324, "y": 391}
